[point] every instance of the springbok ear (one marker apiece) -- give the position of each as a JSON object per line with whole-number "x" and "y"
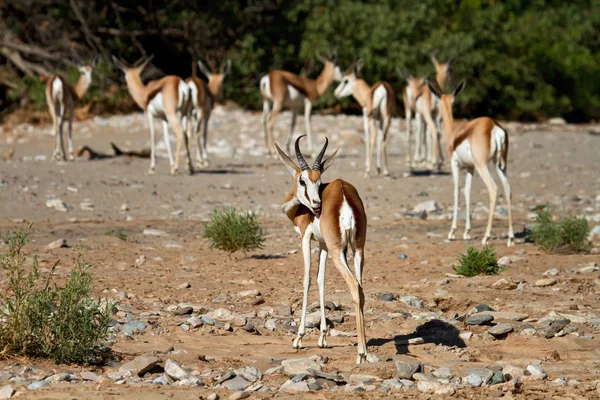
{"x": 434, "y": 89}
{"x": 145, "y": 63}
{"x": 433, "y": 56}
{"x": 205, "y": 71}
{"x": 459, "y": 88}
{"x": 94, "y": 61}
{"x": 226, "y": 67}
{"x": 407, "y": 76}
{"x": 451, "y": 61}
{"x": 328, "y": 161}
{"x": 358, "y": 66}
{"x": 119, "y": 64}
{"x": 287, "y": 161}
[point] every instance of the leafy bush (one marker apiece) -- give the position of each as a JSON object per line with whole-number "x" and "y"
{"x": 230, "y": 230}
{"x": 40, "y": 319}
{"x": 569, "y": 235}
{"x": 117, "y": 233}
{"x": 478, "y": 262}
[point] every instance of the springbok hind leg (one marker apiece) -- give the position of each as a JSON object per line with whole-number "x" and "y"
{"x": 493, "y": 192}
{"x": 321, "y": 282}
{"x": 508, "y": 195}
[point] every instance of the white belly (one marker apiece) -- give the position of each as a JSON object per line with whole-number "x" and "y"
{"x": 155, "y": 107}
{"x": 293, "y": 98}
{"x": 464, "y": 155}
{"x": 316, "y": 230}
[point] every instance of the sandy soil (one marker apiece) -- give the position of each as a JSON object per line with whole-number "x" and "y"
{"x": 547, "y": 164}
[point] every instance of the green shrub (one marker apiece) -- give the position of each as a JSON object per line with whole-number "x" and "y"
{"x": 117, "y": 233}
{"x": 478, "y": 262}
{"x": 230, "y": 230}
{"x": 41, "y": 319}
{"x": 569, "y": 235}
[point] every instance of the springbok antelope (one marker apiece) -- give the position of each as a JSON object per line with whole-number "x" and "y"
{"x": 378, "y": 104}
{"x": 333, "y": 215}
{"x": 62, "y": 98}
{"x": 410, "y": 93}
{"x": 166, "y": 99}
{"x": 204, "y": 96}
{"x": 281, "y": 89}
{"x": 426, "y": 108}
{"x": 471, "y": 145}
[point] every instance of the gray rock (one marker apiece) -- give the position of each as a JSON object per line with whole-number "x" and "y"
{"x": 300, "y": 377}
{"x": 497, "y": 378}
{"x": 504, "y": 284}
{"x": 546, "y": 282}
{"x": 90, "y": 376}
{"x": 479, "y": 319}
{"x": 57, "y": 244}
{"x": 38, "y": 385}
{"x": 249, "y": 373}
{"x": 237, "y": 383}
{"x": 428, "y": 206}
{"x": 412, "y": 301}
{"x": 537, "y": 372}
{"x": 474, "y": 380}
{"x": 428, "y": 386}
{"x": 402, "y": 256}
{"x": 484, "y": 373}
{"x": 551, "y": 272}
{"x": 140, "y": 365}
{"x": 207, "y": 320}
{"x": 134, "y": 327}
{"x": 506, "y": 315}
{"x": 191, "y": 380}
{"x": 57, "y": 204}
{"x": 313, "y": 320}
{"x": 555, "y": 327}
{"x": 273, "y": 324}
{"x": 184, "y": 310}
{"x": 175, "y": 371}
{"x": 162, "y": 380}
{"x": 249, "y": 293}
{"x": 500, "y": 330}
{"x": 297, "y": 366}
{"x": 513, "y": 371}
{"x": 154, "y": 232}
{"x": 212, "y": 396}
{"x": 386, "y": 297}
{"x": 6, "y": 392}
{"x": 291, "y": 386}
{"x": 239, "y": 395}
{"x": 224, "y": 315}
{"x": 442, "y": 373}
{"x": 480, "y": 308}
{"x": 406, "y": 366}
{"x": 595, "y": 231}
{"x": 184, "y": 285}
{"x": 194, "y": 322}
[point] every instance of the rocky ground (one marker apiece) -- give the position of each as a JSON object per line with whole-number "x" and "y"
{"x": 191, "y": 322}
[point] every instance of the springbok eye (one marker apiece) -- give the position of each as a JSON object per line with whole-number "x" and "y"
{"x": 346, "y": 80}
{"x": 301, "y": 182}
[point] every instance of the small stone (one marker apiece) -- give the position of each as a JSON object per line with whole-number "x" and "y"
{"x": 504, "y": 284}
{"x": 134, "y": 327}
{"x": 551, "y": 272}
{"x": 358, "y": 378}
{"x": 386, "y": 297}
{"x": 484, "y": 373}
{"x": 406, "y": 366}
{"x": 474, "y": 380}
{"x": 184, "y": 310}
{"x": 557, "y": 121}
{"x": 194, "y": 322}
{"x": 497, "y": 378}
{"x": 428, "y": 386}
{"x": 6, "y": 392}
{"x": 466, "y": 335}
{"x": 212, "y": 396}
{"x": 90, "y": 376}
{"x": 313, "y": 320}
{"x": 249, "y": 293}
{"x": 162, "y": 380}
{"x": 480, "y": 308}
{"x": 249, "y": 327}
{"x": 297, "y": 366}
{"x": 504, "y": 261}
{"x": 513, "y": 372}
{"x": 185, "y": 285}
{"x": 38, "y": 385}
{"x": 140, "y": 365}
{"x": 402, "y": 256}
{"x": 546, "y": 282}
{"x": 412, "y": 301}
{"x": 224, "y": 315}
{"x": 428, "y": 206}
{"x": 154, "y": 232}
{"x": 479, "y": 319}
{"x": 291, "y": 386}
{"x": 555, "y": 327}
{"x": 174, "y": 370}
{"x": 249, "y": 373}
{"x": 237, "y": 383}
{"x": 537, "y": 372}
{"x": 239, "y": 395}
{"x": 500, "y": 330}
{"x": 57, "y": 244}
{"x": 86, "y": 205}
{"x": 506, "y": 315}
{"x": 442, "y": 373}
{"x": 124, "y": 207}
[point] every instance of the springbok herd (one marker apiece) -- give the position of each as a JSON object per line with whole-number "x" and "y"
{"x": 331, "y": 214}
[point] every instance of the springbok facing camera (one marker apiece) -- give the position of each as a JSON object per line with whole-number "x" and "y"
{"x": 62, "y": 98}
{"x": 166, "y": 99}
{"x": 281, "y": 89}
{"x": 471, "y": 145}
{"x": 333, "y": 215}
{"x": 378, "y": 104}
{"x": 204, "y": 95}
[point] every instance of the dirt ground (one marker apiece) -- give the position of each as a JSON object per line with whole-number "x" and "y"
{"x": 553, "y": 164}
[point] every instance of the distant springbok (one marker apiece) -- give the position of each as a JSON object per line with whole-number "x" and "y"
{"x": 472, "y": 145}
{"x": 204, "y": 96}
{"x": 166, "y": 99}
{"x": 62, "y": 98}
{"x": 281, "y": 89}
{"x": 378, "y": 104}
{"x": 333, "y": 215}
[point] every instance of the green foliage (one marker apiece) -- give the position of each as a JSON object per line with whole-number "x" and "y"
{"x": 478, "y": 262}
{"x": 40, "y": 319}
{"x": 118, "y": 234}
{"x": 569, "y": 235}
{"x": 522, "y": 60}
{"x": 230, "y": 230}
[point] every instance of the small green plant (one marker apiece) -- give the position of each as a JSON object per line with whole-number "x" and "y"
{"x": 231, "y": 230}
{"x": 569, "y": 235}
{"x": 41, "y": 319}
{"x": 478, "y": 262}
{"x": 117, "y": 234}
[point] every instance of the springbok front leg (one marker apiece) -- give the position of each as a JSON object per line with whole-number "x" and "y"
{"x": 373, "y": 137}
{"x": 275, "y": 110}
{"x": 484, "y": 172}
{"x": 204, "y": 135}
{"x": 297, "y": 343}
{"x": 70, "y": 142}
{"x": 366, "y": 128}
{"x": 386, "y": 130}
{"x": 409, "y": 137}
{"x": 455, "y": 164}
{"x": 165, "y": 128}
{"x": 321, "y": 282}
{"x": 265, "y": 119}
{"x": 468, "y": 184}
{"x": 288, "y": 142}
{"x": 152, "y": 144}
{"x": 181, "y": 140}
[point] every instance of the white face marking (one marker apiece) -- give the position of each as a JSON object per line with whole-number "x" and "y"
{"x": 337, "y": 73}
{"x": 344, "y": 89}
{"x": 310, "y": 189}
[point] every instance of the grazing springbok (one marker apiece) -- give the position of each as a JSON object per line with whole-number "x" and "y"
{"x": 204, "y": 96}
{"x": 410, "y": 93}
{"x": 378, "y": 104}
{"x": 333, "y": 215}
{"x": 428, "y": 146}
{"x": 62, "y": 98}
{"x": 471, "y": 145}
{"x": 281, "y": 89}
{"x": 166, "y": 99}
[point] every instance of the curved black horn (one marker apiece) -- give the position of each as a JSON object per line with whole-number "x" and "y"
{"x": 301, "y": 161}
{"x": 317, "y": 164}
